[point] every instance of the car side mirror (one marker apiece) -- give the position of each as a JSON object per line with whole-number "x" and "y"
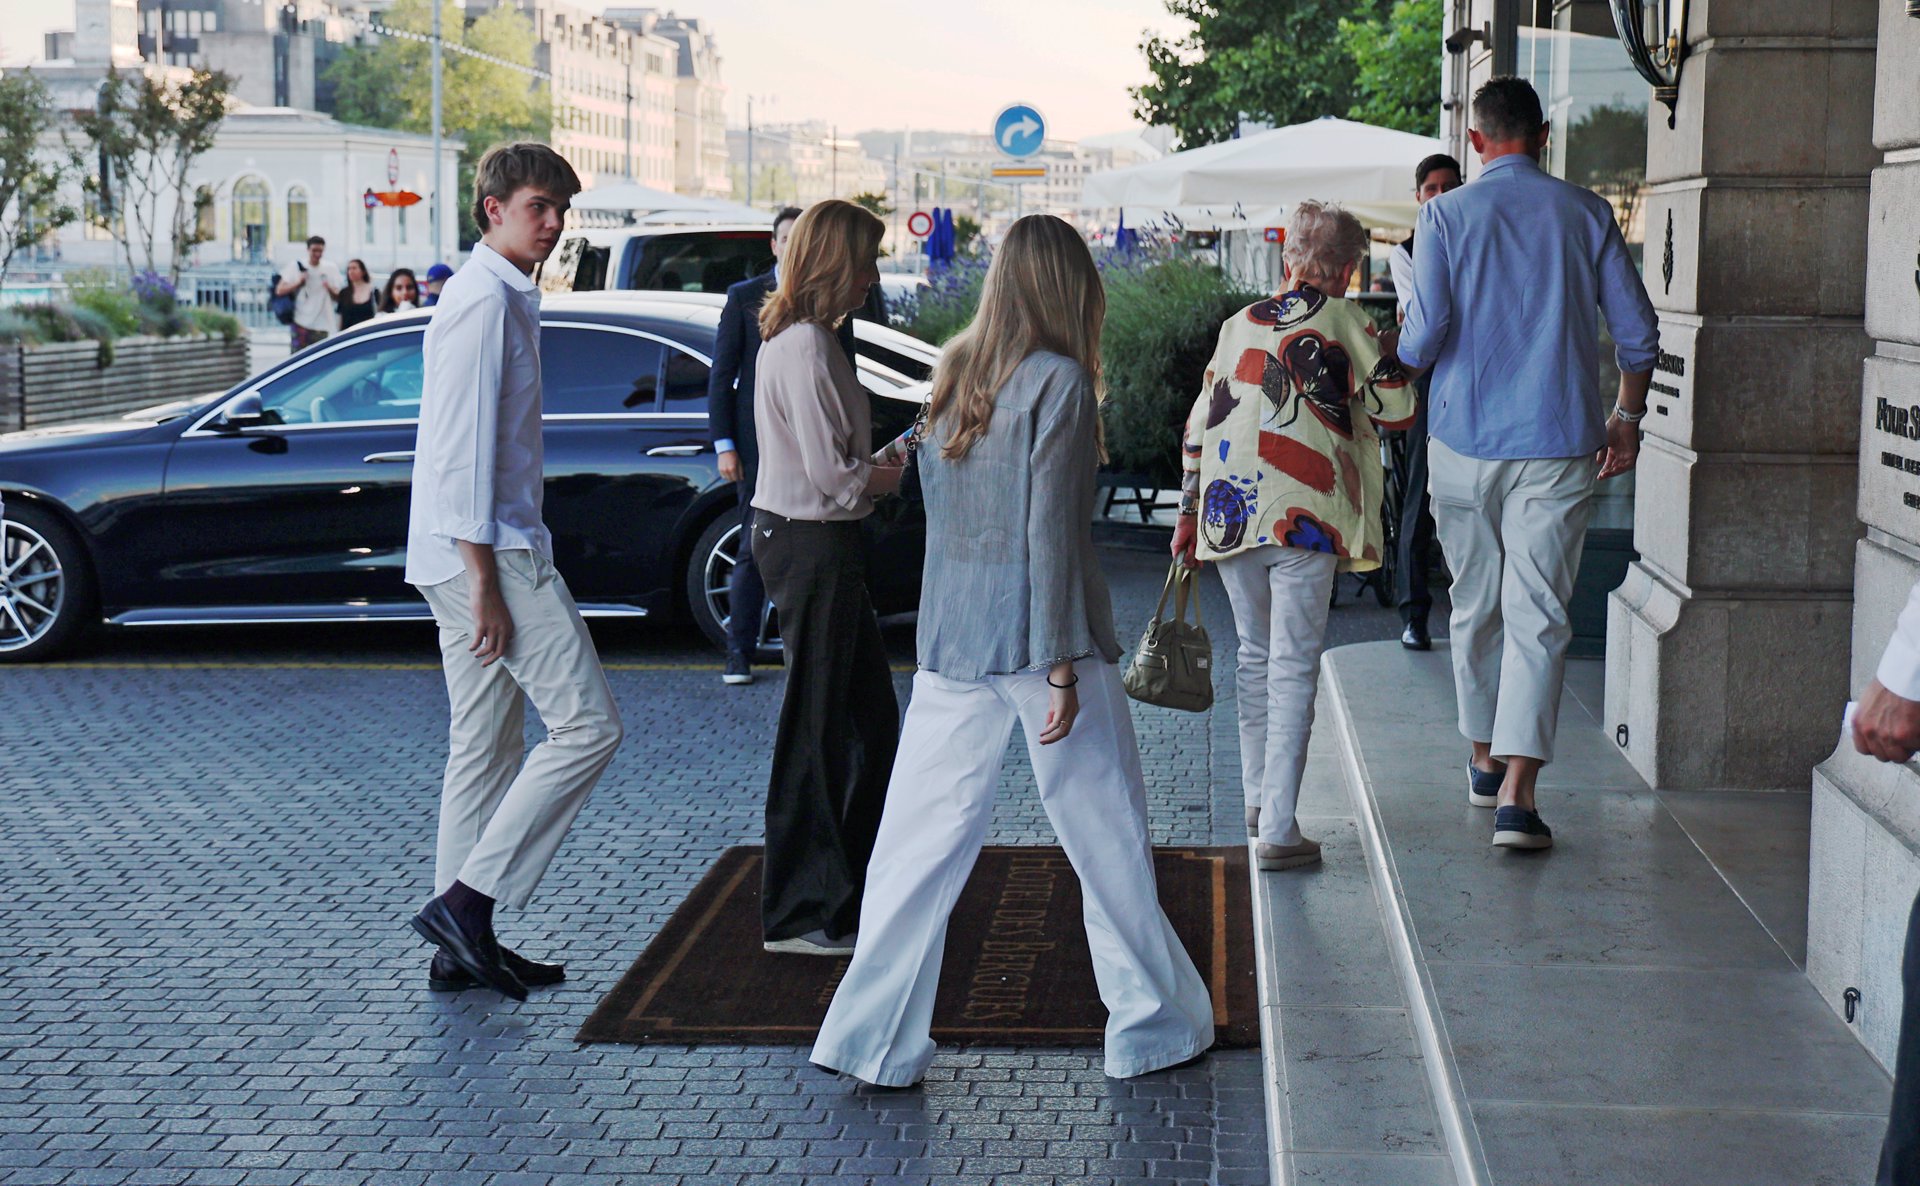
{"x": 246, "y": 412}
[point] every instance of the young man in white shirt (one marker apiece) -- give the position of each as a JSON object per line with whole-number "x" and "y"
{"x": 313, "y": 285}
{"x": 481, "y": 556}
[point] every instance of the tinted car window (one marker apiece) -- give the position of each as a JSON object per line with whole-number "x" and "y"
{"x": 598, "y": 372}
{"x": 702, "y": 261}
{"x": 371, "y": 379}
{"x": 686, "y": 384}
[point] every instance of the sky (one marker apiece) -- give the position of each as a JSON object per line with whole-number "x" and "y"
{"x": 864, "y": 64}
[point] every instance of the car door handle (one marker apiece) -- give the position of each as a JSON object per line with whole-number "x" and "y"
{"x": 676, "y": 450}
{"x": 401, "y": 455}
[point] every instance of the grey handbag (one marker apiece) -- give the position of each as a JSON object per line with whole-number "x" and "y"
{"x": 1173, "y": 666}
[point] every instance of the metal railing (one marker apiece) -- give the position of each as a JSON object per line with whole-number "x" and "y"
{"x": 240, "y": 289}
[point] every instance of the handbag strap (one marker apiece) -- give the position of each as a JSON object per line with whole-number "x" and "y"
{"x": 1185, "y": 588}
{"x": 1173, "y": 575}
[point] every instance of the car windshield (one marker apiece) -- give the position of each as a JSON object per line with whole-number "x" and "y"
{"x": 700, "y": 261}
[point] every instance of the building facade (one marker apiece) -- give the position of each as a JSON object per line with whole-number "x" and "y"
{"x": 613, "y": 91}
{"x": 699, "y": 99}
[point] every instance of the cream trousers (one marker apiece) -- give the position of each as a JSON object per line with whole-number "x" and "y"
{"x": 501, "y": 820}
{"x": 1512, "y": 531}
{"x": 939, "y": 805}
{"x": 1279, "y": 597}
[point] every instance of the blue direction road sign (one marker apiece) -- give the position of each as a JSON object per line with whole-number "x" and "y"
{"x": 1019, "y": 130}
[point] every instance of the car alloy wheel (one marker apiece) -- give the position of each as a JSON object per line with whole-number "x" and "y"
{"x": 715, "y": 575}
{"x": 33, "y": 586}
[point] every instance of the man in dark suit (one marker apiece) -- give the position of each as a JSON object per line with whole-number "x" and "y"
{"x": 730, "y": 420}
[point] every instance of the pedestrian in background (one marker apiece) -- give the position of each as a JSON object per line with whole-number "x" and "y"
{"x": 839, "y": 721}
{"x": 1281, "y": 487}
{"x": 1509, "y": 275}
{"x": 1886, "y": 725}
{"x": 1433, "y": 176}
{"x": 480, "y": 553}
{"x": 359, "y": 300}
{"x": 437, "y": 277}
{"x": 1014, "y": 620}
{"x": 730, "y": 384}
{"x": 313, "y": 284}
{"x": 402, "y": 292}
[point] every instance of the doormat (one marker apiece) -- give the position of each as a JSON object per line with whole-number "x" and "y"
{"x": 1017, "y": 969}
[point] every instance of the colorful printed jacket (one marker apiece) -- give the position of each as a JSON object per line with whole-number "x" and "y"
{"x": 1281, "y": 446}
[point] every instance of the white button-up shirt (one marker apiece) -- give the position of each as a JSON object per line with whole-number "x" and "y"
{"x": 1899, "y": 670}
{"x": 477, "y": 463}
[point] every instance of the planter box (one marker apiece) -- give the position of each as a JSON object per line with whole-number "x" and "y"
{"x": 64, "y": 382}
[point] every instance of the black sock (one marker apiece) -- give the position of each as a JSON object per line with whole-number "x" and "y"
{"x": 473, "y": 909}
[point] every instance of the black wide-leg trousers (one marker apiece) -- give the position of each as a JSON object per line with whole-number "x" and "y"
{"x": 839, "y": 726}
{"x": 1900, "y": 1152}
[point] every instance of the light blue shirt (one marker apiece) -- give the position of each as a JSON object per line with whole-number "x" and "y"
{"x": 1508, "y": 273}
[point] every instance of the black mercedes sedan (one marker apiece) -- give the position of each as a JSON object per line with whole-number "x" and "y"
{"x": 285, "y": 499}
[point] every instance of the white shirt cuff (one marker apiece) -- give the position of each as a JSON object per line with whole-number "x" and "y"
{"x": 471, "y": 530}
{"x": 724, "y": 445}
{"x": 1899, "y": 670}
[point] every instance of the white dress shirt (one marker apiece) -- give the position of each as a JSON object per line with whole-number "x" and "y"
{"x": 477, "y": 463}
{"x": 312, "y": 303}
{"x": 1899, "y": 670}
{"x": 1400, "y": 267}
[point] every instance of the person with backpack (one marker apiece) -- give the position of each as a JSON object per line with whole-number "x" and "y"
{"x": 313, "y": 285}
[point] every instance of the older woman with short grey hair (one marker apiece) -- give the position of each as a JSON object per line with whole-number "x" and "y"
{"x": 1282, "y": 490}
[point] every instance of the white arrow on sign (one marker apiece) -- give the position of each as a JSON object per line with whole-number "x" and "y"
{"x": 1026, "y": 127}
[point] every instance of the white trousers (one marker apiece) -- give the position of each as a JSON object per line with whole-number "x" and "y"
{"x": 501, "y": 820}
{"x": 939, "y": 804}
{"x": 1512, "y": 532}
{"x": 1279, "y": 597}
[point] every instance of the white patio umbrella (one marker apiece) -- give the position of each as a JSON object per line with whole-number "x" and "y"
{"x": 1254, "y": 181}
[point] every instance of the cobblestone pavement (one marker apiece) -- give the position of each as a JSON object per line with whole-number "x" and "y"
{"x": 209, "y": 843}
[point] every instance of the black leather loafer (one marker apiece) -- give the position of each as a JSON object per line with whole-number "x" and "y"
{"x": 478, "y": 958}
{"x": 445, "y": 976}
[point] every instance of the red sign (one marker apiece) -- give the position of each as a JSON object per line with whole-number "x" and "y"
{"x": 919, "y": 224}
{"x": 398, "y": 197}
{"x": 1276, "y": 234}
{"x": 371, "y": 199}
{"x": 393, "y": 166}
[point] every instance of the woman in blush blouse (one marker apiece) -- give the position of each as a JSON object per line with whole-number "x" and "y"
{"x": 839, "y": 722}
{"x": 1016, "y": 628}
{"x": 1282, "y": 489}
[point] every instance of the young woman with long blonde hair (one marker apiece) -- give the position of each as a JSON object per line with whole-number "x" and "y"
{"x": 839, "y": 722}
{"x": 1015, "y": 626}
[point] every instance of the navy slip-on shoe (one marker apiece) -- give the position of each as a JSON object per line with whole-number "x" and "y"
{"x": 1516, "y": 827}
{"x": 477, "y": 957}
{"x": 1483, "y": 789}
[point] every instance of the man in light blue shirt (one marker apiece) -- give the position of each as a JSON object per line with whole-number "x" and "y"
{"x": 1510, "y": 273}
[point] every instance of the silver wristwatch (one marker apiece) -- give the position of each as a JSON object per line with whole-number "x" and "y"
{"x": 1627, "y": 417}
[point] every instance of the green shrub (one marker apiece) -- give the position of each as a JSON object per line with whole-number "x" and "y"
{"x": 1163, "y": 318}
{"x": 213, "y": 321}
{"x": 946, "y": 305}
{"x": 16, "y": 329}
{"x": 116, "y": 306}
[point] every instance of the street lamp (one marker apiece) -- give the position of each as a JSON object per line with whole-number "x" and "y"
{"x": 1655, "y": 34}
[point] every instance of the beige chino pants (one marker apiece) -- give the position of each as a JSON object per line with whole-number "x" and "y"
{"x": 1512, "y": 531}
{"x": 501, "y": 819}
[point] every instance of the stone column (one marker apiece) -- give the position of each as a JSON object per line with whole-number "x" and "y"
{"x": 1866, "y": 815}
{"x": 1727, "y": 644}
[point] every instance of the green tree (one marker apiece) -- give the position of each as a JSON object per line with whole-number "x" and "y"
{"x": 1607, "y": 153}
{"x": 1396, "y": 61}
{"x": 388, "y": 83}
{"x": 148, "y": 133}
{"x": 1276, "y": 61}
{"x": 30, "y": 181}
{"x": 874, "y": 204}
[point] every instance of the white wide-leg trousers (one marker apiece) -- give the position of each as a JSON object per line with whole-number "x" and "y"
{"x": 939, "y": 805}
{"x": 1279, "y": 597}
{"x": 1512, "y": 531}
{"x": 501, "y": 819}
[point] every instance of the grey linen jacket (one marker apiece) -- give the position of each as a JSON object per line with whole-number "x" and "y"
{"x": 1011, "y": 581}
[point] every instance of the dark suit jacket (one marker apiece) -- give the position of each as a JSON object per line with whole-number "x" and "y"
{"x": 735, "y": 350}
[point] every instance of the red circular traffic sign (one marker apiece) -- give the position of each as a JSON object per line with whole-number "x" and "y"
{"x": 393, "y": 166}
{"x": 920, "y": 224}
